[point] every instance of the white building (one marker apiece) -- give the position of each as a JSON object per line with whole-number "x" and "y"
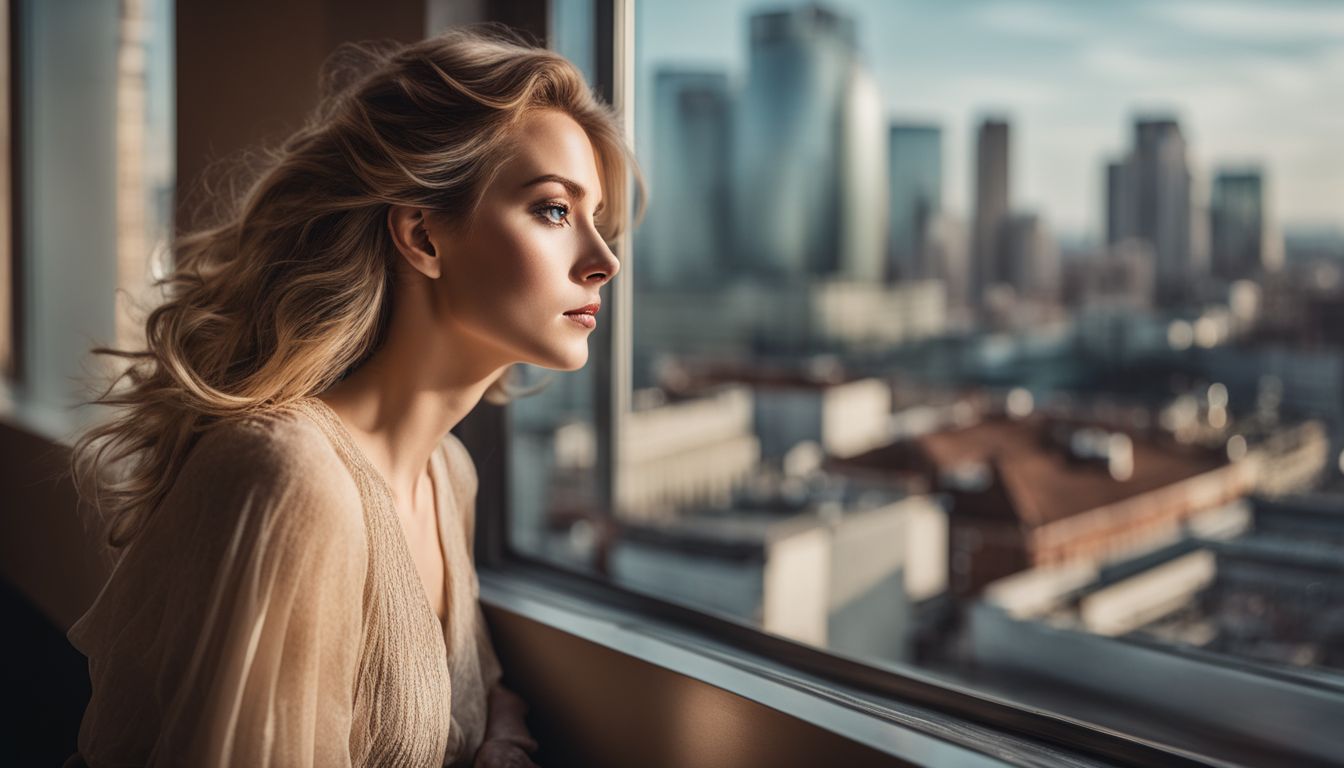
{"x": 840, "y": 575}
{"x": 690, "y": 452}
{"x": 729, "y": 319}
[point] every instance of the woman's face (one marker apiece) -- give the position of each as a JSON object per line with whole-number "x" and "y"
{"x": 531, "y": 253}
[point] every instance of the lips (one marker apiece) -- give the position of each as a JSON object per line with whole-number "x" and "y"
{"x": 589, "y": 309}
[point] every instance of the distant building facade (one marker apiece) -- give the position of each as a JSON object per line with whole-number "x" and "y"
{"x": 1035, "y": 491}
{"x": 990, "y": 211}
{"x": 685, "y": 236}
{"x": 807, "y": 153}
{"x": 1242, "y": 235}
{"x": 1030, "y": 258}
{"x": 749, "y": 316}
{"x": 1149, "y": 198}
{"x": 916, "y": 177}
{"x": 838, "y": 573}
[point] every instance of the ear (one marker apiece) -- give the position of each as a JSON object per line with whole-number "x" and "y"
{"x": 408, "y": 226}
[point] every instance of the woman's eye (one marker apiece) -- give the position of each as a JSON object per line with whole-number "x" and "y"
{"x": 554, "y": 214}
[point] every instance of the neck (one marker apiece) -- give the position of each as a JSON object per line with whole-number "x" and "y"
{"x": 403, "y": 401}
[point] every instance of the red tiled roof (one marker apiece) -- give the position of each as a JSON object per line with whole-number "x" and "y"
{"x": 1034, "y": 481}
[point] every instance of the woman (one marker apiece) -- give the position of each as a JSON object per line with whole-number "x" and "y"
{"x": 294, "y": 518}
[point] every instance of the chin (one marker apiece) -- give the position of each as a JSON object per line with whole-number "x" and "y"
{"x": 569, "y": 360}
{"x": 575, "y": 362}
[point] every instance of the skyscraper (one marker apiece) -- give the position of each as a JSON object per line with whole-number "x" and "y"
{"x": 1241, "y": 245}
{"x": 789, "y": 159}
{"x": 1119, "y": 202}
{"x": 862, "y": 180}
{"x": 916, "y": 178}
{"x": 991, "y": 205}
{"x": 1030, "y": 258}
{"x": 1149, "y": 198}
{"x": 948, "y": 252}
{"x": 686, "y": 233}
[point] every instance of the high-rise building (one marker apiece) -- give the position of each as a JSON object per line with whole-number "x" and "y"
{"x": 1119, "y": 202}
{"x": 1241, "y": 246}
{"x": 863, "y": 181}
{"x": 947, "y": 250}
{"x": 1121, "y": 276}
{"x": 1030, "y": 258}
{"x": 916, "y": 178}
{"x": 685, "y": 236}
{"x": 792, "y": 169}
{"x": 1149, "y": 197}
{"x": 991, "y": 205}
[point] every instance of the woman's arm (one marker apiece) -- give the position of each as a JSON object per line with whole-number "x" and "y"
{"x": 507, "y": 741}
{"x": 230, "y": 635}
{"x": 506, "y": 720}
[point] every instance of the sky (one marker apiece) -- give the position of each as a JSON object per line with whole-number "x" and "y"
{"x": 1257, "y": 83}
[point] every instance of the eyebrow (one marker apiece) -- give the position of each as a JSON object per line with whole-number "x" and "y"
{"x": 575, "y": 190}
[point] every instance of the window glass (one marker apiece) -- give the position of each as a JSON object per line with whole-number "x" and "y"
{"x": 999, "y": 341}
{"x": 554, "y": 488}
{"x": 572, "y": 32}
{"x": 94, "y": 119}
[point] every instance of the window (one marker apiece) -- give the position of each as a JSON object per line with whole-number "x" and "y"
{"x": 987, "y": 344}
{"x": 93, "y": 181}
{"x": 989, "y": 353}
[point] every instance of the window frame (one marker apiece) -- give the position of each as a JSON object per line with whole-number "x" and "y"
{"x": 11, "y": 267}
{"x": 914, "y": 703}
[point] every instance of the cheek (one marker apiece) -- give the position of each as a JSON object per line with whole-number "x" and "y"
{"x": 506, "y": 269}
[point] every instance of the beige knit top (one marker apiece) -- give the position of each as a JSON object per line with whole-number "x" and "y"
{"x": 270, "y": 613}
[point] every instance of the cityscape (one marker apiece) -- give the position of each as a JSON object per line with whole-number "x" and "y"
{"x": 988, "y": 356}
{"x": 965, "y": 442}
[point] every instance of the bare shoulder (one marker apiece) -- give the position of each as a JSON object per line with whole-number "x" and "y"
{"x": 279, "y": 460}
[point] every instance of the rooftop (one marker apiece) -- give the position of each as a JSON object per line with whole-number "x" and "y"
{"x": 1024, "y": 469}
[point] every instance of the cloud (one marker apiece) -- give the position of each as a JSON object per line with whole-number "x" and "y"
{"x": 988, "y": 90}
{"x": 1123, "y": 63}
{"x": 1330, "y": 63}
{"x": 1245, "y": 79}
{"x": 1031, "y": 20}
{"x": 1267, "y": 23}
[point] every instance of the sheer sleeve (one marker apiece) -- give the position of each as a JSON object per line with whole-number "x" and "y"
{"x": 470, "y": 481}
{"x": 491, "y": 673}
{"x": 229, "y": 633}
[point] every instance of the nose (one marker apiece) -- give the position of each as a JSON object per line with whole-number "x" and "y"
{"x": 600, "y": 265}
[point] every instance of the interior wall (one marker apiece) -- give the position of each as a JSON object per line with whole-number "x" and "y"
{"x": 247, "y": 72}
{"x": 46, "y": 552}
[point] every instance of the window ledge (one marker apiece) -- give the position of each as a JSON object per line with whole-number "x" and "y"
{"x": 907, "y": 732}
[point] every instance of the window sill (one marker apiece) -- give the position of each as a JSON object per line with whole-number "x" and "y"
{"x": 898, "y": 729}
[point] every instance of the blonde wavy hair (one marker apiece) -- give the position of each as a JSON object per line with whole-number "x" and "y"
{"x": 288, "y": 287}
